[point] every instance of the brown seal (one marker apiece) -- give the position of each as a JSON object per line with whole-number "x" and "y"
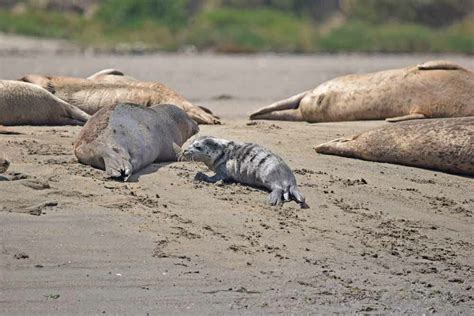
{"x": 434, "y": 89}
{"x": 445, "y": 144}
{"x": 23, "y": 103}
{"x": 109, "y": 87}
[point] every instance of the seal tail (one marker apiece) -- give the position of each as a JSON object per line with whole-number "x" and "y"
{"x": 291, "y": 103}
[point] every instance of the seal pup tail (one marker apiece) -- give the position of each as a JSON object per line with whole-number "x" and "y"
{"x": 287, "y": 104}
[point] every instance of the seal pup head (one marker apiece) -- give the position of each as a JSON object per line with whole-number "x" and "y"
{"x": 206, "y": 149}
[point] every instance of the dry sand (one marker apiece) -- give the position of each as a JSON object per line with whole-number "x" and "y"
{"x": 377, "y": 238}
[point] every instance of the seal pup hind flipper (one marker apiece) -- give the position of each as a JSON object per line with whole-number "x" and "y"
{"x": 245, "y": 163}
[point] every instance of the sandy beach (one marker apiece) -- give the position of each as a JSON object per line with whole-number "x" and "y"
{"x": 377, "y": 238}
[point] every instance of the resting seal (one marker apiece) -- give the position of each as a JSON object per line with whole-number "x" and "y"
{"x": 440, "y": 144}
{"x": 109, "y": 87}
{"x": 123, "y": 138}
{"x": 434, "y": 89}
{"x": 245, "y": 163}
{"x": 4, "y": 164}
{"x": 27, "y": 104}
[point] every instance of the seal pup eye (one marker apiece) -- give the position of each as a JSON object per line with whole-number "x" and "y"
{"x": 198, "y": 148}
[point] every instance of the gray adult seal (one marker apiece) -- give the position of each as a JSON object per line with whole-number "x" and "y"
{"x": 109, "y": 87}
{"x": 23, "y": 103}
{"x": 246, "y": 163}
{"x": 434, "y": 89}
{"x": 123, "y": 138}
{"x": 439, "y": 144}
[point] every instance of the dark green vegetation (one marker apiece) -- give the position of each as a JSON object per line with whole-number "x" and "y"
{"x": 252, "y": 26}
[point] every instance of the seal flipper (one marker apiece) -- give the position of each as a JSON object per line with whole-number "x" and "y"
{"x": 275, "y": 197}
{"x": 298, "y": 196}
{"x": 285, "y": 115}
{"x": 287, "y": 104}
{"x": 117, "y": 167}
{"x": 110, "y": 72}
{"x": 413, "y": 116}
{"x": 439, "y": 64}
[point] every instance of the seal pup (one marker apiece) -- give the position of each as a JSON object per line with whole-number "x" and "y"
{"x": 123, "y": 138}
{"x": 246, "y": 163}
{"x": 23, "y": 103}
{"x": 109, "y": 87}
{"x": 433, "y": 89}
{"x": 439, "y": 144}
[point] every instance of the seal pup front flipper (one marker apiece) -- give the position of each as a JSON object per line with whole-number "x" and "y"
{"x": 292, "y": 103}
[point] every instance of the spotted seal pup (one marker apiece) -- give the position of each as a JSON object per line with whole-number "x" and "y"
{"x": 441, "y": 144}
{"x": 124, "y": 138}
{"x": 434, "y": 89}
{"x": 246, "y": 163}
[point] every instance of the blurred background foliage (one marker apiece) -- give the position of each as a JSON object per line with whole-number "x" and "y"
{"x": 301, "y": 26}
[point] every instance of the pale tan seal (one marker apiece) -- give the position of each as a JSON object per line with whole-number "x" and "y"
{"x": 440, "y": 144}
{"x": 434, "y": 89}
{"x": 23, "y": 103}
{"x": 123, "y": 138}
{"x": 109, "y": 87}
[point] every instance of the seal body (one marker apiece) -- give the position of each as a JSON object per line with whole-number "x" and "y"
{"x": 4, "y": 164}
{"x": 440, "y": 144}
{"x": 434, "y": 89}
{"x": 27, "y": 104}
{"x": 109, "y": 87}
{"x": 245, "y": 163}
{"x": 123, "y": 138}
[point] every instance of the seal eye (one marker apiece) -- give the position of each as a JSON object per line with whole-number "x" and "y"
{"x": 198, "y": 148}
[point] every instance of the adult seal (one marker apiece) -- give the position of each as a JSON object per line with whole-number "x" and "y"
{"x": 109, "y": 87}
{"x": 27, "y": 104}
{"x": 434, "y": 89}
{"x": 245, "y": 163}
{"x": 439, "y": 144}
{"x": 4, "y": 164}
{"x": 123, "y": 138}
